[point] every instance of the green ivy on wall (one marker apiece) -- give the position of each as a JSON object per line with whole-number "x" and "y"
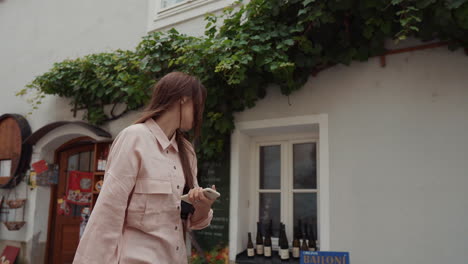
{"x": 245, "y": 49}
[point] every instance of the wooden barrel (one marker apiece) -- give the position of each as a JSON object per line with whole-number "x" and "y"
{"x": 14, "y": 129}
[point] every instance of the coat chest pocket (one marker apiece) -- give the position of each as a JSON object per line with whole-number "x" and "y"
{"x": 158, "y": 201}
{"x": 149, "y": 197}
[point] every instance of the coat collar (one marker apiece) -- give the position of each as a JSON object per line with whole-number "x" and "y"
{"x": 158, "y": 133}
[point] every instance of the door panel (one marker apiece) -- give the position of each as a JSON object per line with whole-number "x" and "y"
{"x": 66, "y": 228}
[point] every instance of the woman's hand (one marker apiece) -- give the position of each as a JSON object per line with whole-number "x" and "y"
{"x": 202, "y": 216}
{"x": 199, "y": 200}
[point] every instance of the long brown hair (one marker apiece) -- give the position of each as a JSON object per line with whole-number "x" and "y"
{"x": 169, "y": 90}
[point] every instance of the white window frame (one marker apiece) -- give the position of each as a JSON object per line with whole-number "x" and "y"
{"x": 287, "y": 191}
{"x": 162, "y": 10}
{"x": 240, "y": 200}
{"x": 165, "y": 18}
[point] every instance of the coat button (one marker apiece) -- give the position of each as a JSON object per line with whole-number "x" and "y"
{"x": 174, "y": 167}
{"x": 177, "y": 248}
{"x": 176, "y": 228}
{"x": 167, "y": 151}
{"x": 178, "y": 207}
{"x": 178, "y": 186}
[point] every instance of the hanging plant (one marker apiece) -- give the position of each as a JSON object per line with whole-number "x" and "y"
{"x": 94, "y": 81}
{"x": 263, "y": 42}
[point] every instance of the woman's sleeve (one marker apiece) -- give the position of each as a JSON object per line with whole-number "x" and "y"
{"x": 104, "y": 229}
{"x": 204, "y": 222}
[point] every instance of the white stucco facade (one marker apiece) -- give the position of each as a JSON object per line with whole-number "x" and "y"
{"x": 37, "y": 34}
{"x": 393, "y": 147}
{"x": 397, "y": 155}
{"x": 34, "y": 35}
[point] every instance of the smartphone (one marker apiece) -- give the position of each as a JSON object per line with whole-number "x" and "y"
{"x": 208, "y": 192}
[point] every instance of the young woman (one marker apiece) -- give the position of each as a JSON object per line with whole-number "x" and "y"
{"x": 137, "y": 218}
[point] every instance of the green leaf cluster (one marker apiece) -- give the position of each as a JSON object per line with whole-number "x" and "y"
{"x": 245, "y": 49}
{"x": 94, "y": 81}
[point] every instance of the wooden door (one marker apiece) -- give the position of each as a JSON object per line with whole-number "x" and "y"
{"x": 66, "y": 228}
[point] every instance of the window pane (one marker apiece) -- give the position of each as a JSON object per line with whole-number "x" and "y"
{"x": 168, "y": 3}
{"x": 270, "y": 167}
{"x": 305, "y": 166}
{"x": 5, "y": 168}
{"x": 270, "y": 209}
{"x": 305, "y": 209}
{"x": 73, "y": 162}
{"x": 85, "y": 161}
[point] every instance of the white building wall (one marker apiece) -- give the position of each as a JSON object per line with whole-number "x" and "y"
{"x": 397, "y": 149}
{"x": 397, "y": 144}
{"x": 34, "y": 35}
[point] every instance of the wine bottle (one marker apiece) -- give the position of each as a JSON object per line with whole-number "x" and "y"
{"x": 299, "y": 230}
{"x": 99, "y": 163}
{"x": 104, "y": 159}
{"x": 296, "y": 248}
{"x": 271, "y": 228}
{"x": 267, "y": 244}
{"x": 304, "y": 246}
{"x": 259, "y": 242}
{"x": 284, "y": 245}
{"x": 250, "y": 247}
{"x": 312, "y": 242}
{"x": 280, "y": 238}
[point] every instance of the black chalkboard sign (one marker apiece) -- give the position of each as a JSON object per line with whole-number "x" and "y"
{"x": 214, "y": 239}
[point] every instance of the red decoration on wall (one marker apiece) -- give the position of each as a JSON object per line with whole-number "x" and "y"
{"x": 9, "y": 255}
{"x": 40, "y": 166}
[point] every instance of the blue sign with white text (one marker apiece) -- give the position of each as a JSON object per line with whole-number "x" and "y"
{"x": 324, "y": 257}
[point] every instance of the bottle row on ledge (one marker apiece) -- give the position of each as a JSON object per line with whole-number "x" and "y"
{"x": 304, "y": 240}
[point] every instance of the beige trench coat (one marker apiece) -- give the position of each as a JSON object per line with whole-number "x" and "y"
{"x": 150, "y": 229}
